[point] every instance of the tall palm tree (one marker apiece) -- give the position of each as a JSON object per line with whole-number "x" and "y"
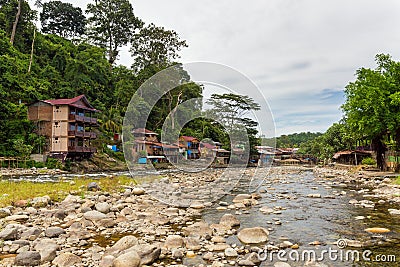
{"x": 111, "y": 121}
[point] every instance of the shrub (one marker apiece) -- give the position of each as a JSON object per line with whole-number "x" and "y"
{"x": 368, "y": 161}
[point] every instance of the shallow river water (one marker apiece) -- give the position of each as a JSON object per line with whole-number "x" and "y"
{"x": 325, "y": 220}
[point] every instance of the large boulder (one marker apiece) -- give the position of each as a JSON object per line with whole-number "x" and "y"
{"x": 173, "y": 241}
{"x": 123, "y": 244}
{"x": 128, "y": 259}
{"x": 47, "y": 249}
{"x": 147, "y": 253}
{"x": 253, "y": 235}
{"x": 28, "y": 258}
{"x": 9, "y": 234}
{"x": 54, "y": 231}
{"x": 66, "y": 259}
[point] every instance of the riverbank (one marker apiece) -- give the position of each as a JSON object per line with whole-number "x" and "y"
{"x": 125, "y": 226}
{"x": 378, "y": 185}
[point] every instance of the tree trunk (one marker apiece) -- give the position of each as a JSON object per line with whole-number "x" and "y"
{"x": 379, "y": 149}
{"x": 33, "y": 46}
{"x": 14, "y": 29}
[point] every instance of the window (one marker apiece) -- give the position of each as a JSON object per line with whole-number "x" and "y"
{"x": 57, "y": 107}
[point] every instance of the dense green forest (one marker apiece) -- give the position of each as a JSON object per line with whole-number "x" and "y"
{"x": 74, "y": 53}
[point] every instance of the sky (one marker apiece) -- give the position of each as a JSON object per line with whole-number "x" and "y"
{"x": 300, "y": 53}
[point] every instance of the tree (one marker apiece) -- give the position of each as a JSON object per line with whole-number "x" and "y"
{"x": 14, "y": 29}
{"x": 111, "y": 25}
{"x": 16, "y": 18}
{"x": 62, "y": 19}
{"x": 232, "y": 111}
{"x": 155, "y": 46}
{"x": 372, "y": 108}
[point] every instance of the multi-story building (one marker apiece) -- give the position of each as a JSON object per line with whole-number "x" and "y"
{"x": 67, "y": 125}
{"x": 191, "y": 145}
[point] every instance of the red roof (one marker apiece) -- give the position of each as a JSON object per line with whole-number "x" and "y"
{"x": 143, "y": 130}
{"x": 189, "y": 138}
{"x": 72, "y": 102}
{"x": 207, "y": 145}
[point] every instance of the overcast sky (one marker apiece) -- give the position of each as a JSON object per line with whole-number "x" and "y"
{"x": 300, "y": 53}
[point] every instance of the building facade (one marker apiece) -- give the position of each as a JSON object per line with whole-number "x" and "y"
{"x": 67, "y": 125}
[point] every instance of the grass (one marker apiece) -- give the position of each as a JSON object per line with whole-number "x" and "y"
{"x": 397, "y": 180}
{"x": 57, "y": 191}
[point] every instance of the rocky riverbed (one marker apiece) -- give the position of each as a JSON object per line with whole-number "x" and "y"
{"x": 133, "y": 228}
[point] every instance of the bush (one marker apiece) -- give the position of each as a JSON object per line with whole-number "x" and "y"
{"x": 368, "y": 161}
{"x": 53, "y": 163}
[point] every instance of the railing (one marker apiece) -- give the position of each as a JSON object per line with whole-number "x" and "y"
{"x": 82, "y": 149}
{"x": 75, "y": 133}
{"x": 74, "y": 117}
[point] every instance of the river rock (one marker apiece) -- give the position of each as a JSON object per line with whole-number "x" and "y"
{"x": 54, "y": 231}
{"x": 93, "y": 186}
{"x": 199, "y": 229}
{"x": 28, "y": 258}
{"x": 147, "y": 253}
{"x": 103, "y": 207}
{"x": 192, "y": 243}
{"x": 137, "y": 191}
{"x": 266, "y": 210}
{"x": 246, "y": 263}
{"x": 47, "y": 249}
{"x": 230, "y": 252}
{"x": 31, "y": 233}
{"x": 123, "y": 244}
{"x": 16, "y": 218}
{"x": 173, "y": 241}
{"x": 94, "y": 215}
{"x": 4, "y": 212}
{"x": 253, "y": 235}
{"x": 314, "y": 195}
{"x": 394, "y": 212}
{"x": 9, "y": 234}
{"x": 66, "y": 259}
{"x": 377, "y": 230}
{"x": 40, "y": 202}
{"x": 229, "y": 220}
{"x": 107, "y": 261}
{"x": 281, "y": 264}
{"x": 129, "y": 259}
{"x": 241, "y": 197}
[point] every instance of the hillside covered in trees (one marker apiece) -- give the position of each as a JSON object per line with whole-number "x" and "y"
{"x": 73, "y": 53}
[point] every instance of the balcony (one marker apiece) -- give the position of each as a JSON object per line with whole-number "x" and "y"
{"x": 82, "y": 149}
{"x": 90, "y": 135}
{"x": 84, "y": 119}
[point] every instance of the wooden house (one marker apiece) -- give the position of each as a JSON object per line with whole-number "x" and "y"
{"x": 191, "y": 145}
{"x": 67, "y": 125}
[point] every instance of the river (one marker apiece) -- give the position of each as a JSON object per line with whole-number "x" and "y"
{"x": 303, "y": 219}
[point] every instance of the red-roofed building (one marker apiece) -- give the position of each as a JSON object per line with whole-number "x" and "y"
{"x": 191, "y": 145}
{"x": 67, "y": 125}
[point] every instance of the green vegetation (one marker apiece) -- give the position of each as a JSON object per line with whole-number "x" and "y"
{"x": 47, "y": 65}
{"x": 335, "y": 139}
{"x": 368, "y": 161}
{"x": 57, "y": 191}
{"x": 292, "y": 140}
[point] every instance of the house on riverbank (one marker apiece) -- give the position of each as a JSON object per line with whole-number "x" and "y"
{"x": 67, "y": 125}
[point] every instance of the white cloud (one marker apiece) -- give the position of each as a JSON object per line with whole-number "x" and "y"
{"x": 292, "y": 49}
